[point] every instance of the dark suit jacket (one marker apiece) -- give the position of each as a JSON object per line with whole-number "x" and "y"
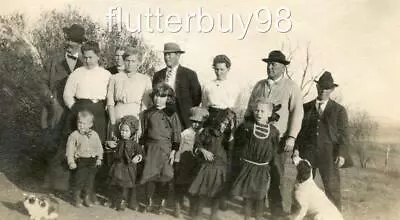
{"x": 188, "y": 91}
{"x": 335, "y": 116}
{"x": 57, "y": 78}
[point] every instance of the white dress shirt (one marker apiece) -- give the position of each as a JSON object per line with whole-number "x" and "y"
{"x": 86, "y": 83}
{"x": 220, "y": 94}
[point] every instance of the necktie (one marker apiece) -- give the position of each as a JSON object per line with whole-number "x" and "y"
{"x": 168, "y": 75}
{"x": 320, "y": 111}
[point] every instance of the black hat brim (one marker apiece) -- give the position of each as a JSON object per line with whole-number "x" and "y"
{"x": 330, "y": 86}
{"x": 284, "y": 62}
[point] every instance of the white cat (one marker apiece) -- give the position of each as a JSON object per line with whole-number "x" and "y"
{"x": 39, "y": 208}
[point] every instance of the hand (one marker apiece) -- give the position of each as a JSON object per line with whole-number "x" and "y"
{"x": 339, "y": 161}
{"x": 289, "y": 144}
{"x": 111, "y": 144}
{"x": 172, "y": 157}
{"x": 72, "y": 166}
{"x": 137, "y": 159}
{"x": 207, "y": 154}
{"x": 295, "y": 157}
{"x": 98, "y": 163}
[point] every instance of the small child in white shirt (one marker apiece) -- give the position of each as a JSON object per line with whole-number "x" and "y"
{"x": 84, "y": 154}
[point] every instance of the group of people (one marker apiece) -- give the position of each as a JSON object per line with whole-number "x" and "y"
{"x": 116, "y": 128}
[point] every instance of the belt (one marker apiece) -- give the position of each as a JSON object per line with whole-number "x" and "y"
{"x": 255, "y": 163}
{"x": 92, "y": 100}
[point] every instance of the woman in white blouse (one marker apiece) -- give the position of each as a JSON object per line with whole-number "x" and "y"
{"x": 86, "y": 88}
{"x": 128, "y": 91}
{"x": 219, "y": 95}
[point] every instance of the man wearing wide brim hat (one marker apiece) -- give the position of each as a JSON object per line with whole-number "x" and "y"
{"x": 172, "y": 48}
{"x": 323, "y": 138}
{"x": 54, "y": 110}
{"x": 183, "y": 80}
{"x": 283, "y": 91}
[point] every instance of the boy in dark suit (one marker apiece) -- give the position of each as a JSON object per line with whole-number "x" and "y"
{"x": 323, "y": 137}
{"x": 183, "y": 80}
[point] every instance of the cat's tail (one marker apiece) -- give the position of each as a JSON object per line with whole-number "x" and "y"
{"x": 52, "y": 216}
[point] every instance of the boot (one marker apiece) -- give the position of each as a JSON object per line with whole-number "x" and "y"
{"x": 198, "y": 208}
{"x": 87, "y": 201}
{"x": 247, "y": 209}
{"x": 214, "y": 209}
{"x": 223, "y": 206}
{"x": 161, "y": 209}
{"x": 77, "y": 201}
{"x": 177, "y": 212}
{"x": 150, "y": 206}
{"x": 121, "y": 206}
{"x": 192, "y": 206}
{"x": 259, "y": 209}
{"x": 132, "y": 200}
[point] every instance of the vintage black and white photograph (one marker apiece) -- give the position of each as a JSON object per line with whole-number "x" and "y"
{"x": 199, "y": 109}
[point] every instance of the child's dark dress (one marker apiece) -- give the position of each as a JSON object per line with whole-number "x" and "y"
{"x": 161, "y": 135}
{"x": 123, "y": 170}
{"x": 253, "y": 178}
{"x": 212, "y": 175}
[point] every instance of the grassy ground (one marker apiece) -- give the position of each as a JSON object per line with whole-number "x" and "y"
{"x": 367, "y": 194}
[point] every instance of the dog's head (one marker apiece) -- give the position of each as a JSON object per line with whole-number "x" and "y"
{"x": 304, "y": 169}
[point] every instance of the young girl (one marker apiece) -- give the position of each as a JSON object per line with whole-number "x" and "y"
{"x": 123, "y": 170}
{"x": 84, "y": 154}
{"x": 212, "y": 175}
{"x": 161, "y": 138}
{"x": 257, "y": 141}
{"x": 185, "y": 166}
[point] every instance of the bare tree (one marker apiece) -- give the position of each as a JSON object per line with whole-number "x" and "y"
{"x": 307, "y": 75}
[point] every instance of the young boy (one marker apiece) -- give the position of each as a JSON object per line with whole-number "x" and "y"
{"x": 84, "y": 154}
{"x": 185, "y": 165}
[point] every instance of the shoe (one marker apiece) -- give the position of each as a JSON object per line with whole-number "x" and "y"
{"x": 161, "y": 209}
{"x": 150, "y": 206}
{"x": 94, "y": 199}
{"x": 77, "y": 201}
{"x": 121, "y": 206}
{"x": 87, "y": 201}
{"x": 223, "y": 206}
{"x": 107, "y": 204}
{"x": 133, "y": 207}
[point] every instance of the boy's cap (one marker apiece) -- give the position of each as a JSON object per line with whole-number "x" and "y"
{"x": 198, "y": 114}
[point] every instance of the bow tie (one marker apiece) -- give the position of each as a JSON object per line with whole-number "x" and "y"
{"x": 72, "y": 57}
{"x": 88, "y": 133}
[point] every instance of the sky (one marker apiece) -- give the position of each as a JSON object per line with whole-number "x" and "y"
{"x": 354, "y": 40}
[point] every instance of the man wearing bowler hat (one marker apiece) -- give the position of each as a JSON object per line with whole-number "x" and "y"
{"x": 323, "y": 137}
{"x": 183, "y": 80}
{"x": 279, "y": 89}
{"x": 54, "y": 112}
